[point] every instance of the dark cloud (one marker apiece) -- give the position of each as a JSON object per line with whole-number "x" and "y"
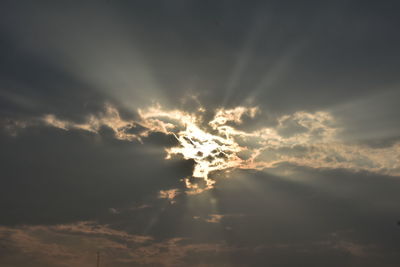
{"x": 302, "y": 218}
{"x": 70, "y": 59}
{"x": 50, "y": 175}
{"x": 287, "y": 56}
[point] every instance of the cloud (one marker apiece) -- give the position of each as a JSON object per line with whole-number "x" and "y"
{"x": 302, "y": 138}
{"x": 81, "y": 175}
{"x": 110, "y": 118}
{"x": 214, "y": 218}
{"x": 217, "y": 218}
{"x": 318, "y": 74}
{"x": 76, "y": 245}
{"x": 169, "y": 194}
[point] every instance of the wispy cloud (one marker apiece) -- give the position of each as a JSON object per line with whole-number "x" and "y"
{"x": 76, "y": 244}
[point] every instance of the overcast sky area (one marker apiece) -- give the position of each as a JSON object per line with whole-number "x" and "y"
{"x": 199, "y": 133}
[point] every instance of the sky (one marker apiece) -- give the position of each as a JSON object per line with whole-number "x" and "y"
{"x": 199, "y": 133}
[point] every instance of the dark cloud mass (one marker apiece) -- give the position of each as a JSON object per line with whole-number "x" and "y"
{"x": 199, "y": 133}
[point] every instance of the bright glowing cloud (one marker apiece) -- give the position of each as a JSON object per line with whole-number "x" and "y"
{"x": 302, "y": 138}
